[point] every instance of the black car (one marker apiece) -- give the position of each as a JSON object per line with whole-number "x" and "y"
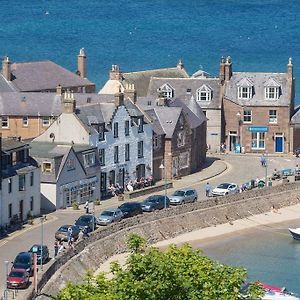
{"x": 24, "y": 260}
{"x": 62, "y": 233}
{"x": 155, "y": 202}
{"x": 130, "y": 209}
{"x": 88, "y": 222}
{"x": 297, "y": 152}
{"x": 39, "y": 253}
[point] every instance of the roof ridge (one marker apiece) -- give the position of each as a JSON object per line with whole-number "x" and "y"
{"x": 152, "y": 70}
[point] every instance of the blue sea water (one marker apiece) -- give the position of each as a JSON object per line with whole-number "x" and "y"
{"x": 143, "y": 34}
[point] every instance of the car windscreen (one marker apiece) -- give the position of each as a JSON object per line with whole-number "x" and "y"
{"x": 63, "y": 229}
{"x": 223, "y": 186}
{"x": 107, "y": 213}
{"x": 22, "y": 259}
{"x": 179, "y": 193}
{"x": 84, "y": 220}
{"x": 16, "y": 274}
{"x": 126, "y": 206}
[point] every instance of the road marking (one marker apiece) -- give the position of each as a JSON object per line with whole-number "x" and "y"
{"x": 3, "y": 243}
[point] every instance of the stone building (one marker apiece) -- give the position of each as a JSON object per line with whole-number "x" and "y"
{"x": 20, "y": 183}
{"x": 257, "y": 109}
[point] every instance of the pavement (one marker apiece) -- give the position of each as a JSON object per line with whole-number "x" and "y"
{"x": 218, "y": 168}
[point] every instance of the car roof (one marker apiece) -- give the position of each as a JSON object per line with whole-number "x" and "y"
{"x": 111, "y": 209}
{"x": 24, "y": 254}
{"x": 185, "y": 190}
{"x": 18, "y": 270}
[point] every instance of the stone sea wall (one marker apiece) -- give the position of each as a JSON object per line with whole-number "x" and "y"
{"x": 161, "y": 225}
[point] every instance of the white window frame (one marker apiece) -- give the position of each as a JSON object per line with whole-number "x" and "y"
{"x": 271, "y": 93}
{"x": 273, "y": 116}
{"x": 247, "y": 116}
{"x": 260, "y": 138}
{"x": 203, "y": 93}
{"x": 167, "y": 91}
{"x": 46, "y": 169}
{"x": 89, "y": 159}
{"x": 5, "y": 120}
{"x": 245, "y": 92}
{"x": 183, "y": 162}
{"x": 181, "y": 139}
{"x": 25, "y": 121}
{"x": 45, "y": 121}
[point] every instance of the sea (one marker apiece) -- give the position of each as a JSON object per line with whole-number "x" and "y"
{"x": 145, "y": 34}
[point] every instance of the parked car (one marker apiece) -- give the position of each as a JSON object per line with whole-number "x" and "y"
{"x": 17, "y": 279}
{"x": 24, "y": 260}
{"x": 225, "y": 189}
{"x": 86, "y": 222}
{"x": 297, "y": 152}
{"x": 155, "y": 202}
{"x": 183, "y": 196}
{"x": 130, "y": 209}
{"x": 109, "y": 216}
{"x": 38, "y": 250}
{"x": 62, "y": 233}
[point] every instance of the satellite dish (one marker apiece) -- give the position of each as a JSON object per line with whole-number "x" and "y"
{"x": 52, "y": 136}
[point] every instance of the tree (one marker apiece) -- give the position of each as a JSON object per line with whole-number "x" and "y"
{"x": 179, "y": 273}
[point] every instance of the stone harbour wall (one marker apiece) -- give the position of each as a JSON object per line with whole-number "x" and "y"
{"x": 161, "y": 225}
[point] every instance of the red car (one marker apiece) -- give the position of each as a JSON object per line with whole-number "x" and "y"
{"x": 17, "y": 279}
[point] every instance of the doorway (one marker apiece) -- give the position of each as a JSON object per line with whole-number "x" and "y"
{"x": 21, "y": 212}
{"x": 140, "y": 171}
{"x": 232, "y": 140}
{"x": 279, "y": 143}
{"x": 121, "y": 176}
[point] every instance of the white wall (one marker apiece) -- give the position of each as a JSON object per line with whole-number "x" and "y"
{"x": 48, "y": 197}
{"x": 213, "y": 129}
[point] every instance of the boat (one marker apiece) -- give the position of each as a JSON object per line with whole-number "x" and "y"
{"x": 276, "y": 293}
{"x": 295, "y": 232}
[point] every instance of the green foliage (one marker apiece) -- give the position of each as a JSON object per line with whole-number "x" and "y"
{"x": 179, "y": 273}
{"x": 75, "y": 205}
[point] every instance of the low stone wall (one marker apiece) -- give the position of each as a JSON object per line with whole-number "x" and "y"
{"x": 160, "y": 225}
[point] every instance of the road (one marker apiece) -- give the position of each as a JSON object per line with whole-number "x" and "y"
{"x": 240, "y": 169}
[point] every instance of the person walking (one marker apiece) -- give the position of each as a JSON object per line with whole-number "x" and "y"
{"x": 61, "y": 248}
{"x": 55, "y": 248}
{"x": 263, "y": 160}
{"x": 70, "y": 233}
{"x": 86, "y": 206}
{"x": 207, "y": 189}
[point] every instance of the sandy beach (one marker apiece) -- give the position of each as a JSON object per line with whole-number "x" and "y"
{"x": 207, "y": 236}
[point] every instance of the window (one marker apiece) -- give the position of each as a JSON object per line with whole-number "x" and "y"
{"x": 156, "y": 142}
{"x": 10, "y": 210}
{"x": 183, "y": 160}
{"x": 272, "y": 93}
{"x": 14, "y": 158}
{"x": 140, "y": 149}
{"x": 273, "y": 116}
{"x": 203, "y": 93}
{"x": 25, "y": 121}
{"x": 116, "y": 130}
{"x": 127, "y": 127}
{"x": 167, "y": 91}
{"x": 181, "y": 139}
{"x": 204, "y": 111}
{"x": 101, "y": 133}
{"x": 47, "y": 167}
{"x": 4, "y": 122}
{"x": 102, "y": 157}
{"x": 244, "y": 92}
{"x": 10, "y": 185}
{"x": 70, "y": 164}
{"x": 127, "y": 152}
{"x": 116, "y": 154}
{"x": 258, "y": 140}
{"x": 31, "y": 203}
{"x": 247, "y": 116}
{"x": 31, "y": 178}
{"x": 140, "y": 125}
{"x": 22, "y": 186}
{"x": 89, "y": 159}
{"x": 46, "y": 121}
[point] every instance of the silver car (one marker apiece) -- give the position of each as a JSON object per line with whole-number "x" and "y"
{"x": 109, "y": 216}
{"x": 183, "y": 196}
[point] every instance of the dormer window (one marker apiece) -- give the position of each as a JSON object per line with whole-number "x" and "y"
{"x": 272, "y": 89}
{"x": 204, "y": 93}
{"x": 245, "y": 89}
{"x": 167, "y": 91}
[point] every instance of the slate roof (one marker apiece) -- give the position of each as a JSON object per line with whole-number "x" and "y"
{"x": 142, "y": 79}
{"x": 11, "y": 144}
{"x": 156, "y": 126}
{"x": 43, "y": 75}
{"x": 259, "y": 81}
{"x": 296, "y": 117}
{"x": 184, "y": 88}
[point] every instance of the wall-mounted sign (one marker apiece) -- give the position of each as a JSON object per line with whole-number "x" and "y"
{"x": 258, "y": 128}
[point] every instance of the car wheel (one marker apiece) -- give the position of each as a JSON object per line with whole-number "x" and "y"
{"x": 195, "y": 199}
{"x": 182, "y": 202}
{"x": 226, "y": 193}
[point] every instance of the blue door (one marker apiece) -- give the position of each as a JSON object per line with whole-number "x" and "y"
{"x": 279, "y": 144}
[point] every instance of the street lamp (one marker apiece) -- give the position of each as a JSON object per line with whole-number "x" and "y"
{"x": 6, "y": 274}
{"x": 92, "y": 195}
{"x": 162, "y": 167}
{"x": 266, "y": 166}
{"x": 43, "y": 218}
{"x": 239, "y": 128}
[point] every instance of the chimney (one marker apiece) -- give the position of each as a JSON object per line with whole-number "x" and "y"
{"x": 228, "y": 68}
{"x": 119, "y": 98}
{"x": 161, "y": 99}
{"x": 290, "y": 69}
{"x": 290, "y": 84}
{"x": 68, "y": 102}
{"x": 0, "y": 161}
{"x": 59, "y": 90}
{"x": 222, "y": 70}
{"x": 81, "y": 63}
{"x": 180, "y": 64}
{"x": 115, "y": 73}
{"x": 6, "y": 72}
{"x": 130, "y": 92}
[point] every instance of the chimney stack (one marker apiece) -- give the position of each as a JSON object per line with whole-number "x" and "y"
{"x": 81, "y": 63}
{"x": 115, "y": 73}
{"x": 130, "y": 92}
{"x": 228, "y": 68}
{"x": 6, "y": 71}
{"x": 222, "y": 70}
{"x": 180, "y": 64}
{"x": 68, "y": 102}
{"x": 119, "y": 98}
{"x": 290, "y": 69}
{"x": 161, "y": 99}
{"x": 59, "y": 90}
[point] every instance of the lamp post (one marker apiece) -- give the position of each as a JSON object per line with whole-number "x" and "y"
{"x": 266, "y": 166}
{"x": 6, "y": 275}
{"x": 92, "y": 195}
{"x": 239, "y": 127}
{"x": 162, "y": 167}
{"x": 42, "y": 239}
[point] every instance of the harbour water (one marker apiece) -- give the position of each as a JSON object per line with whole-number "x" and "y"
{"x": 268, "y": 252}
{"x": 142, "y": 34}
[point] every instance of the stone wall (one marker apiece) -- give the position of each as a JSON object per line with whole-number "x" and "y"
{"x": 160, "y": 225}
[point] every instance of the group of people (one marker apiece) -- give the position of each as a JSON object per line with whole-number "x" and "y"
{"x": 115, "y": 189}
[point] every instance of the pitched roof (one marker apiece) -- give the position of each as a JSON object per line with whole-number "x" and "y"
{"x": 8, "y": 144}
{"x": 156, "y": 126}
{"x": 259, "y": 81}
{"x": 43, "y": 75}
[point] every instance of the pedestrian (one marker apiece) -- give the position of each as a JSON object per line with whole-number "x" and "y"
{"x": 70, "y": 233}
{"x": 71, "y": 243}
{"x": 55, "y": 248}
{"x": 85, "y": 232}
{"x": 61, "y": 248}
{"x": 86, "y": 206}
{"x": 263, "y": 160}
{"x": 207, "y": 189}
